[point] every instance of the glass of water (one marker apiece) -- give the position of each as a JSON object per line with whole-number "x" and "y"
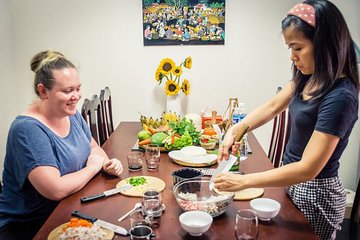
{"x": 152, "y": 157}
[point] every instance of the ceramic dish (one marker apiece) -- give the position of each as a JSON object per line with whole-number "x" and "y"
{"x": 193, "y": 161}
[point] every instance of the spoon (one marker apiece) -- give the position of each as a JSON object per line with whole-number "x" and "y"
{"x": 137, "y": 206}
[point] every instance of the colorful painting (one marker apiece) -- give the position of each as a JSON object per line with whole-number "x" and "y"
{"x": 183, "y": 22}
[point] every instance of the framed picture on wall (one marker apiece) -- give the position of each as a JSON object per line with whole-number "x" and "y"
{"x": 183, "y": 22}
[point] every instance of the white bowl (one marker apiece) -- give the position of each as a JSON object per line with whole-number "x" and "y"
{"x": 266, "y": 208}
{"x": 195, "y": 222}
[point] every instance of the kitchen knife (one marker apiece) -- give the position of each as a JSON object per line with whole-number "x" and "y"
{"x": 225, "y": 165}
{"x": 112, "y": 227}
{"x": 106, "y": 193}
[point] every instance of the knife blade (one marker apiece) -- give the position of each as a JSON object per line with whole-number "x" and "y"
{"x": 225, "y": 165}
{"x": 101, "y": 223}
{"x": 106, "y": 193}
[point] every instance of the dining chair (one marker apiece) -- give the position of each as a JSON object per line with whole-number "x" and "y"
{"x": 92, "y": 113}
{"x": 105, "y": 100}
{"x": 350, "y": 228}
{"x": 279, "y": 137}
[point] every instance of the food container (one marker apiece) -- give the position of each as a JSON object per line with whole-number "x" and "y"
{"x": 192, "y": 195}
{"x": 266, "y": 208}
{"x": 185, "y": 174}
{"x": 195, "y": 222}
{"x": 208, "y": 144}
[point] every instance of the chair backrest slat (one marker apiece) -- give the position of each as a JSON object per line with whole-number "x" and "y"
{"x": 355, "y": 211}
{"x": 105, "y": 99}
{"x": 92, "y": 113}
{"x": 279, "y": 138}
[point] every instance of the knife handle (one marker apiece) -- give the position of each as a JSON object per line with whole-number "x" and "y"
{"x": 81, "y": 215}
{"x": 92, "y": 198}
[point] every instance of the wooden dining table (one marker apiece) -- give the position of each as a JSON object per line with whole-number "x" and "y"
{"x": 290, "y": 223}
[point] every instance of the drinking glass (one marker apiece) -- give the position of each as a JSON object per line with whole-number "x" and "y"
{"x": 134, "y": 161}
{"x": 152, "y": 157}
{"x": 152, "y": 203}
{"x": 138, "y": 217}
{"x": 246, "y": 224}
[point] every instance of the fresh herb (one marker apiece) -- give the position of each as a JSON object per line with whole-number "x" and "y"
{"x": 183, "y": 141}
{"x": 136, "y": 181}
{"x": 184, "y": 126}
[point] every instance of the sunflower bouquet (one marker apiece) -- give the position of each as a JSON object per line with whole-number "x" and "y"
{"x": 168, "y": 70}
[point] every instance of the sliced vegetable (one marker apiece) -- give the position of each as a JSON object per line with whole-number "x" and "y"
{"x": 136, "y": 181}
{"x": 144, "y": 142}
{"x": 151, "y": 130}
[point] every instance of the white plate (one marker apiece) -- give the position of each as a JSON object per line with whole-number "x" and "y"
{"x": 191, "y": 151}
{"x": 200, "y": 159}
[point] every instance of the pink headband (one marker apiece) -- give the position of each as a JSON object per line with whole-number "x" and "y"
{"x": 305, "y": 12}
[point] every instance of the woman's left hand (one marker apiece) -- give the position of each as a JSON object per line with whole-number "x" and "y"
{"x": 113, "y": 167}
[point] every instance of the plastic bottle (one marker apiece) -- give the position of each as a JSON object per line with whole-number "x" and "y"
{"x": 241, "y": 111}
{"x": 236, "y": 116}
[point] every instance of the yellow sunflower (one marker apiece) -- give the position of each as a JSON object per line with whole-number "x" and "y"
{"x": 188, "y": 63}
{"x": 177, "y": 71}
{"x": 167, "y": 65}
{"x": 158, "y": 75}
{"x": 185, "y": 87}
{"x": 172, "y": 88}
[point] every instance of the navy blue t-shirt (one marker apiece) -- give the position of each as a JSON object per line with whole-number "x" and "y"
{"x": 30, "y": 144}
{"x": 335, "y": 113}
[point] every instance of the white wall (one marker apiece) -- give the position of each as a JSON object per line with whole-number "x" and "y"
{"x": 104, "y": 38}
{"x": 7, "y": 80}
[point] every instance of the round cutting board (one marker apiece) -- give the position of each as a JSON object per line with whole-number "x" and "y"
{"x": 55, "y": 233}
{"x": 247, "y": 194}
{"x": 137, "y": 191}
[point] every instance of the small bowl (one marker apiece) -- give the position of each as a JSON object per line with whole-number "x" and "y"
{"x": 266, "y": 208}
{"x": 185, "y": 174}
{"x": 208, "y": 145}
{"x": 195, "y": 222}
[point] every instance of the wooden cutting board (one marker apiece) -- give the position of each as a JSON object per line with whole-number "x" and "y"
{"x": 151, "y": 183}
{"x": 55, "y": 233}
{"x": 247, "y": 194}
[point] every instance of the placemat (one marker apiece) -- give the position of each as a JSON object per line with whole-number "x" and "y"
{"x": 55, "y": 233}
{"x": 137, "y": 191}
{"x": 246, "y": 194}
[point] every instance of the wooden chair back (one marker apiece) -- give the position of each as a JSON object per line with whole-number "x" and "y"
{"x": 279, "y": 137}
{"x": 92, "y": 113}
{"x": 355, "y": 212}
{"x": 105, "y": 99}
{"x": 350, "y": 228}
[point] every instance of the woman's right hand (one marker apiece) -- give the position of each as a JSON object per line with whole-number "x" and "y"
{"x": 228, "y": 144}
{"x": 95, "y": 162}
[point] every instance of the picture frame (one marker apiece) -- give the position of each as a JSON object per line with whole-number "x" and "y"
{"x": 183, "y": 22}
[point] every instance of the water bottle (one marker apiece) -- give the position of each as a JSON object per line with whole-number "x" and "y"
{"x": 241, "y": 111}
{"x": 236, "y": 116}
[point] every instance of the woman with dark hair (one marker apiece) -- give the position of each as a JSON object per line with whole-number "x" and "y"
{"x": 50, "y": 153}
{"x": 323, "y": 102}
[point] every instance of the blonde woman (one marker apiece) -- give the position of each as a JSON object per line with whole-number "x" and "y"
{"x": 50, "y": 153}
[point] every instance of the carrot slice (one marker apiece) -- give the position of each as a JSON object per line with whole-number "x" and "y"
{"x": 144, "y": 142}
